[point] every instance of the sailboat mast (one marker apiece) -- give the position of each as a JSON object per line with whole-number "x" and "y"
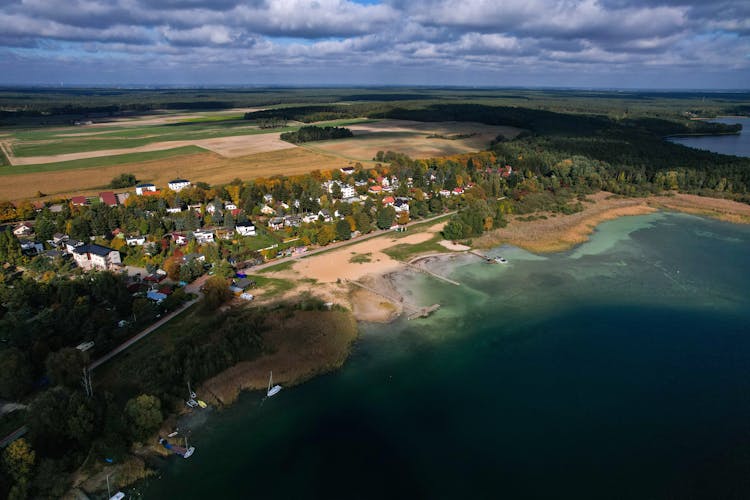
{"x": 270, "y": 380}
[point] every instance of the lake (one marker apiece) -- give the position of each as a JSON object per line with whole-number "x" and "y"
{"x": 619, "y": 369}
{"x": 738, "y": 145}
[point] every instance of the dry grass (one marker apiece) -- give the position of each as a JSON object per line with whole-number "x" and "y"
{"x": 562, "y": 232}
{"x": 301, "y": 346}
{"x": 411, "y": 138}
{"x": 207, "y": 167}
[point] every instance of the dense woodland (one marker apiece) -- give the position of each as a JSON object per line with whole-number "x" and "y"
{"x": 312, "y": 133}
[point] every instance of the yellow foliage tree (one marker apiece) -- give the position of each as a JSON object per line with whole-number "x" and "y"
{"x": 19, "y": 458}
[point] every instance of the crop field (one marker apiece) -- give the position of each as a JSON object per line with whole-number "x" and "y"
{"x": 416, "y": 139}
{"x": 206, "y": 166}
{"x": 213, "y": 147}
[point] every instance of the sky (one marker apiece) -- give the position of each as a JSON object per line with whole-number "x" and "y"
{"x": 669, "y": 44}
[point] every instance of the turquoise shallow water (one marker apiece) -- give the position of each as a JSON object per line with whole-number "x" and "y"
{"x": 619, "y": 369}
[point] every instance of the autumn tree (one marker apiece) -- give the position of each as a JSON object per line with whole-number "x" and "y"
{"x": 143, "y": 416}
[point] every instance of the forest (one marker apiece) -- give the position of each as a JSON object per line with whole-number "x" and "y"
{"x": 312, "y": 133}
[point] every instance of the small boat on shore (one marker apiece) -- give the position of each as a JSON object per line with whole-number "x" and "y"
{"x": 185, "y": 452}
{"x": 501, "y": 260}
{"x": 272, "y": 391}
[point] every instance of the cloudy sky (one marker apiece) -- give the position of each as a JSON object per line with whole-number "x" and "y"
{"x": 586, "y": 43}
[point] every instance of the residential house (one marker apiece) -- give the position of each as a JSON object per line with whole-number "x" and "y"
{"x": 178, "y": 184}
{"x": 266, "y": 210}
{"x": 458, "y": 190}
{"x": 23, "y": 229}
{"x": 79, "y": 201}
{"x": 347, "y": 170}
{"x": 31, "y": 248}
{"x": 293, "y": 221}
{"x": 231, "y": 206}
{"x": 401, "y": 205}
{"x": 276, "y": 223}
{"x": 58, "y": 239}
{"x": 56, "y": 208}
{"x": 195, "y": 208}
{"x": 174, "y": 210}
{"x": 352, "y": 199}
{"x": 445, "y": 193}
{"x": 309, "y": 218}
{"x": 376, "y": 189}
{"x": 268, "y": 198}
{"x": 96, "y": 257}
{"x": 71, "y": 245}
{"x": 140, "y": 189}
{"x": 122, "y": 198}
{"x": 179, "y": 239}
{"x": 108, "y": 198}
{"x": 245, "y": 229}
{"x": 135, "y": 241}
{"x": 203, "y": 236}
{"x": 388, "y": 201}
{"x": 347, "y": 191}
{"x": 326, "y": 215}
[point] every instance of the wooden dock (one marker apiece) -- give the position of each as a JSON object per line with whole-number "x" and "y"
{"x": 430, "y": 273}
{"x": 423, "y": 312}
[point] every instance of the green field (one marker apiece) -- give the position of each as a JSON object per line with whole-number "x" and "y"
{"x": 102, "y": 161}
{"x": 46, "y": 142}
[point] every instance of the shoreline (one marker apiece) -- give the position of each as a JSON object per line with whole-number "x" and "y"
{"x": 381, "y": 301}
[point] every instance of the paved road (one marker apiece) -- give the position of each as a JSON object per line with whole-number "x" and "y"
{"x": 13, "y": 436}
{"x": 193, "y": 287}
{"x": 359, "y": 239}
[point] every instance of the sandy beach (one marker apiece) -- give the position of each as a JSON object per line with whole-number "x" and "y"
{"x": 375, "y": 298}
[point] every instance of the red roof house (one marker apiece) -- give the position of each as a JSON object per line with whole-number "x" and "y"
{"x": 108, "y": 198}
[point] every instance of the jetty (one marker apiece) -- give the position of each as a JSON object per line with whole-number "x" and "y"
{"x": 414, "y": 312}
{"x": 482, "y": 256}
{"x": 423, "y": 312}
{"x": 430, "y": 273}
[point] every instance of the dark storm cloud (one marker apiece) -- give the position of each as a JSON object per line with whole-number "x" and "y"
{"x": 436, "y": 37}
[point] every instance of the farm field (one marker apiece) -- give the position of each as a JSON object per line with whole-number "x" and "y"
{"x": 206, "y": 167}
{"x": 416, "y": 139}
{"x": 213, "y": 147}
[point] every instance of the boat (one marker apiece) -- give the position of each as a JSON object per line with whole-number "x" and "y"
{"x": 501, "y": 260}
{"x": 201, "y": 403}
{"x": 185, "y": 452}
{"x": 191, "y": 403}
{"x": 272, "y": 391}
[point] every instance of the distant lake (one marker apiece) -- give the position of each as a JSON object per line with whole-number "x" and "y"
{"x": 738, "y": 145}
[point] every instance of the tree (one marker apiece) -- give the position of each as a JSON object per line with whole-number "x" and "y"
{"x": 326, "y": 234}
{"x": 81, "y": 418}
{"x": 215, "y": 293}
{"x": 336, "y": 191}
{"x": 454, "y": 230}
{"x": 229, "y": 220}
{"x": 123, "y": 181}
{"x": 65, "y": 366}
{"x": 363, "y": 222}
{"x": 343, "y": 231}
{"x": 386, "y": 216}
{"x": 143, "y": 416}
{"x": 18, "y": 459}
{"x": 15, "y": 373}
{"x": 10, "y": 248}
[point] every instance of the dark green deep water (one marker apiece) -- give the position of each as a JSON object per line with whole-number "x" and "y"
{"x": 620, "y": 369}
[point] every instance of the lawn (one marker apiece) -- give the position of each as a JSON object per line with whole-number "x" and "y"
{"x": 101, "y": 161}
{"x": 405, "y": 251}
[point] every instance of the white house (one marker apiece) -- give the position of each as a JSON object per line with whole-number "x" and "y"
{"x": 308, "y": 218}
{"x": 266, "y": 210}
{"x": 347, "y": 170}
{"x": 326, "y": 215}
{"x": 229, "y": 206}
{"x": 179, "y": 239}
{"x": 203, "y": 236}
{"x": 135, "y": 241}
{"x": 347, "y": 191}
{"x": 23, "y": 229}
{"x": 174, "y": 210}
{"x": 178, "y": 184}
{"x": 444, "y": 193}
{"x": 268, "y": 198}
{"x": 276, "y": 223}
{"x": 245, "y": 229}
{"x": 141, "y": 188}
{"x": 71, "y": 245}
{"x": 96, "y": 257}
